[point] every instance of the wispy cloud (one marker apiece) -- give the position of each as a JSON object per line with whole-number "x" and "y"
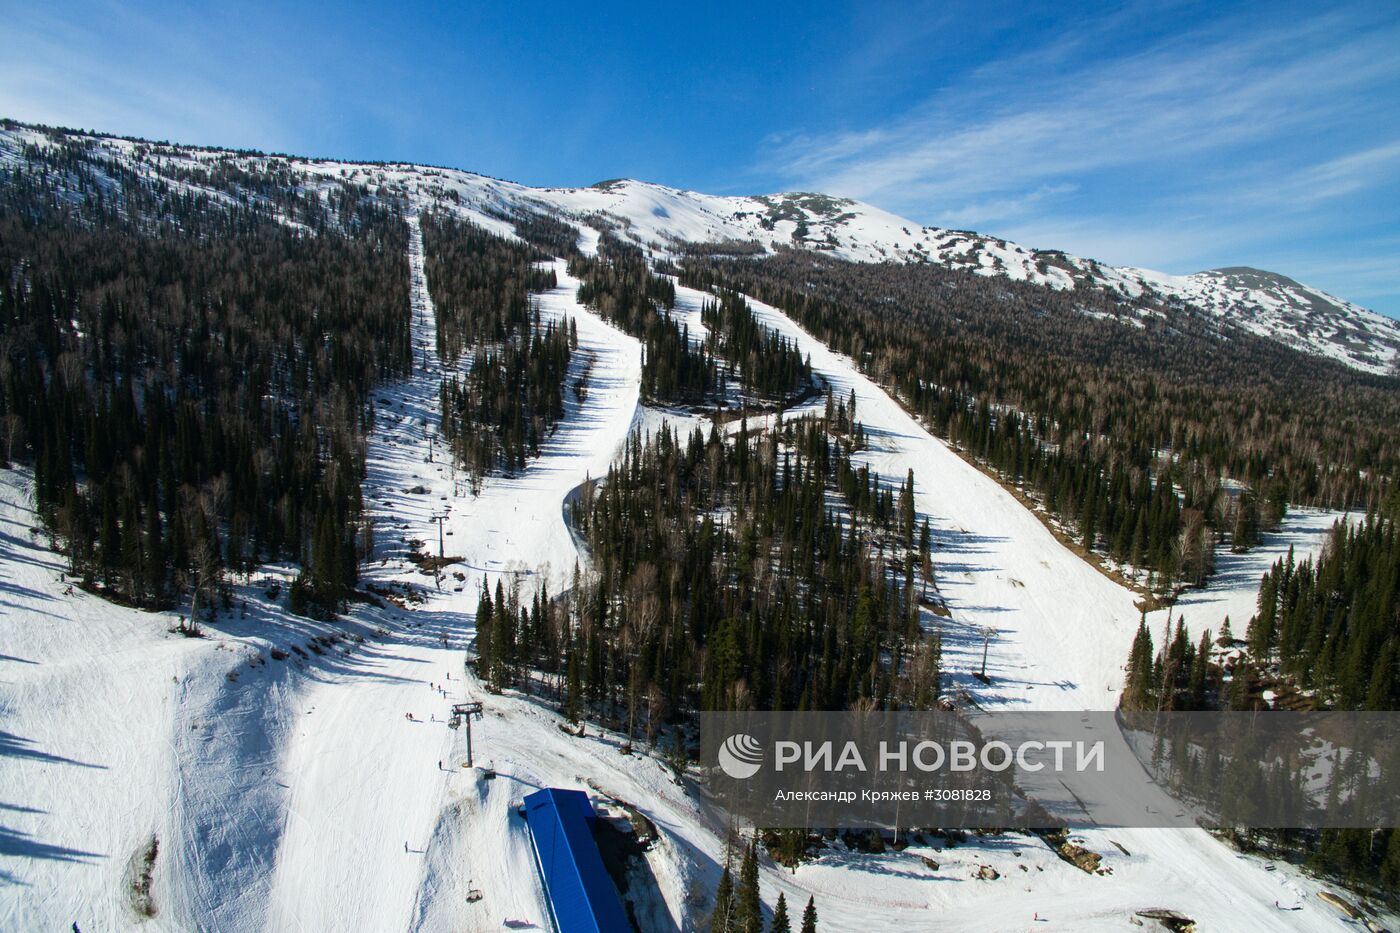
{"x": 1011, "y": 125}
{"x": 1309, "y": 185}
{"x": 1005, "y": 208}
{"x": 1193, "y": 145}
{"x": 65, "y": 69}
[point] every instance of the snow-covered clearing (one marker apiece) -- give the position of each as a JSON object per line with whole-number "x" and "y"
{"x": 1233, "y": 591}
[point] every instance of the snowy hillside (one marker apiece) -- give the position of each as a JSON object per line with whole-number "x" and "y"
{"x": 1274, "y": 306}
{"x": 282, "y": 773}
{"x": 268, "y": 775}
{"x": 664, "y": 220}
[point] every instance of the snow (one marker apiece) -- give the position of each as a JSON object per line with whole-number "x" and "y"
{"x": 1063, "y": 631}
{"x": 661, "y": 219}
{"x": 1278, "y": 308}
{"x": 285, "y": 798}
{"x": 1233, "y": 591}
{"x": 295, "y": 793}
{"x": 514, "y": 528}
{"x": 117, "y": 730}
{"x": 1063, "y": 627}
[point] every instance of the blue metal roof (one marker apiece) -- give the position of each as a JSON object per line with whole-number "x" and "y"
{"x": 581, "y": 895}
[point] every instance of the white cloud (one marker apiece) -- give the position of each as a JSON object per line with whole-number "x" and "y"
{"x": 117, "y": 70}
{"x": 1191, "y": 151}
{"x": 1014, "y": 129}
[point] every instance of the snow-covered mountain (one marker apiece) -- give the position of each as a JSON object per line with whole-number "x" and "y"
{"x": 282, "y": 773}
{"x": 1275, "y": 306}
{"x": 1263, "y": 303}
{"x": 666, "y": 220}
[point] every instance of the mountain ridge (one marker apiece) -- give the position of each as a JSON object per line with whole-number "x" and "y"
{"x": 667, "y": 221}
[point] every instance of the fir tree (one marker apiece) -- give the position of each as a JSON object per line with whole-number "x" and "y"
{"x": 781, "y": 923}
{"x": 722, "y": 917}
{"x": 748, "y": 908}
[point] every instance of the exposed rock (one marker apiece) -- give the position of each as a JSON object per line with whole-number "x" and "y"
{"x": 1173, "y": 920}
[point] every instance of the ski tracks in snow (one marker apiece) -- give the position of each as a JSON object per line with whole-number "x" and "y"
{"x": 366, "y": 791}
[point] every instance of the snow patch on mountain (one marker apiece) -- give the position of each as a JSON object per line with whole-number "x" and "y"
{"x": 668, "y": 220}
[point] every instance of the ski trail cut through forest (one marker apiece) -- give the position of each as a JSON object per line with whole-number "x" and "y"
{"x": 361, "y": 775}
{"x": 1062, "y": 630}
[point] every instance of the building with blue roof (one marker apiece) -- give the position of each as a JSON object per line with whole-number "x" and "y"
{"x": 582, "y": 898}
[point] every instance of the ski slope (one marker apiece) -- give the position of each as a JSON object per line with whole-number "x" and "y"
{"x": 1063, "y": 628}
{"x": 282, "y": 793}
{"x": 1062, "y": 632}
{"x": 117, "y": 730}
{"x": 361, "y": 774}
{"x": 295, "y": 794}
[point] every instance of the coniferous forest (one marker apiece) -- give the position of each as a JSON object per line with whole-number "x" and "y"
{"x": 480, "y": 283}
{"x": 1325, "y": 636}
{"x": 496, "y": 414}
{"x": 1327, "y": 630}
{"x": 678, "y": 367}
{"x": 1333, "y": 625}
{"x": 511, "y": 397}
{"x": 1121, "y": 433}
{"x": 190, "y": 383}
{"x": 620, "y": 286}
{"x": 760, "y": 570}
{"x": 766, "y": 366}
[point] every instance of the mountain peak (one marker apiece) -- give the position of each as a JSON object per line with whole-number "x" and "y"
{"x": 664, "y": 220}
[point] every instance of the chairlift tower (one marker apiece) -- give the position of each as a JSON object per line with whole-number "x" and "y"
{"x": 462, "y": 715}
{"x": 440, "y": 517}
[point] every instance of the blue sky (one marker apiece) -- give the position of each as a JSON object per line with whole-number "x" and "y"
{"x": 1178, "y": 136}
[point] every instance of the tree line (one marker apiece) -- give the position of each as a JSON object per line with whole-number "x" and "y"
{"x": 759, "y": 570}
{"x": 1097, "y": 418}
{"x": 678, "y": 367}
{"x": 767, "y": 366}
{"x": 480, "y": 283}
{"x": 511, "y": 398}
{"x": 190, "y": 381}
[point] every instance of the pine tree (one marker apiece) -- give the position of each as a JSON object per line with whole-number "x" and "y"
{"x": 1390, "y": 865}
{"x": 1246, "y": 531}
{"x": 748, "y": 908}
{"x": 809, "y": 916}
{"x": 722, "y": 918}
{"x": 906, "y": 509}
{"x": 1139, "y": 682}
{"x": 781, "y": 923}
